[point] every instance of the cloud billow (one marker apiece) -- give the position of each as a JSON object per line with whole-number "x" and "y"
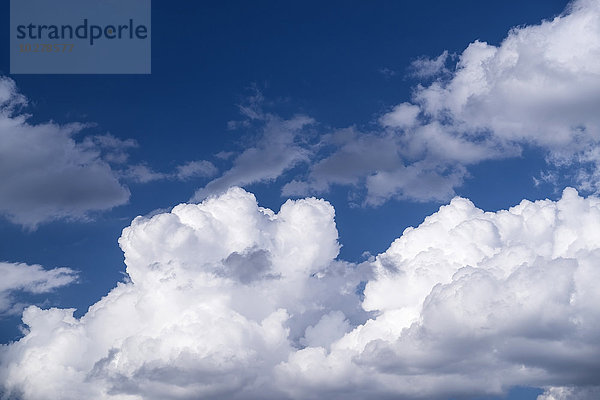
{"x": 538, "y": 89}
{"x": 226, "y": 299}
{"x": 46, "y": 175}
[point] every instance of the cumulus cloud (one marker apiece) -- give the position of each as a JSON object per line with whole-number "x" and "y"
{"x": 218, "y": 293}
{"x": 225, "y": 299}
{"x": 34, "y": 279}
{"x": 539, "y": 88}
{"x": 45, "y": 173}
{"x": 473, "y": 302}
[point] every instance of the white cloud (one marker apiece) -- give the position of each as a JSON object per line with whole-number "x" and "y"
{"x": 402, "y": 116}
{"x": 45, "y": 173}
{"x": 114, "y": 150}
{"x": 356, "y": 156}
{"x": 34, "y": 279}
{"x": 539, "y": 88}
{"x": 425, "y": 67}
{"x": 387, "y": 72}
{"x": 196, "y": 169}
{"x": 570, "y": 393}
{"x": 278, "y": 148}
{"x": 424, "y": 163}
{"x": 142, "y": 173}
{"x": 330, "y": 328}
{"x": 10, "y": 98}
{"x": 224, "y": 155}
{"x": 471, "y": 302}
{"x": 421, "y": 181}
{"x": 230, "y": 300}
{"x": 219, "y": 294}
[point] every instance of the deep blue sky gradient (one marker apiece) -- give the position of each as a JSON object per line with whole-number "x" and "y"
{"x": 322, "y": 59}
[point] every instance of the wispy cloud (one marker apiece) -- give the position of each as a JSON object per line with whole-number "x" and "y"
{"x": 425, "y": 67}
{"x": 278, "y": 145}
{"x": 33, "y": 279}
{"x": 196, "y": 169}
{"x": 142, "y": 173}
{"x": 387, "y": 72}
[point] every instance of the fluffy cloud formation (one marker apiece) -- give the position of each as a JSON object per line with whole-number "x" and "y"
{"x": 34, "y": 279}
{"x": 219, "y": 293}
{"x": 46, "y": 174}
{"x": 226, "y": 299}
{"x": 539, "y": 88}
{"x": 472, "y": 302}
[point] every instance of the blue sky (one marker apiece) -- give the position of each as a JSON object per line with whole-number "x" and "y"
{"x": 290, "y": 100}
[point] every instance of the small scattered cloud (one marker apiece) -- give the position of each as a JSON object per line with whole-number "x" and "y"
{"x": 142, "y": 173}
{"x": 32, "y": 279}
{"x": 387, "y": 72}
{"x": 278, "y": 145}
{"x": 425, "y": 67}
{"x": 196, "y": 169}
{"x": 224, "y": 155}
{"x": 251, "y": 109}
{"x": 114, "y": 150}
